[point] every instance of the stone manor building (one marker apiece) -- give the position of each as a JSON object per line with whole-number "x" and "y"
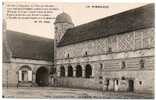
{"x": 115, "y": 53}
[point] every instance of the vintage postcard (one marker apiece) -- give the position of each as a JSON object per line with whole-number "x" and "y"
{"x": 78, "y": 50}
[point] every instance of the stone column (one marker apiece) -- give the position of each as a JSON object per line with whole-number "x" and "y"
{"x": 74, "y": 72}
{"x": 58, "y": 71}
{"x": 93, "y": 72}
{"x": 34, "y": 79}
{"x": 66, "y": 71}
{"x": 83, "y": 71}
{"x": 111, "y": 84}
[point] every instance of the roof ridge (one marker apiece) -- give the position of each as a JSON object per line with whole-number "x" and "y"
{"x": 31, "y": 35}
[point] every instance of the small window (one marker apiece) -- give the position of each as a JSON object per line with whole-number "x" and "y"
{"x": 100, "y": 82}
{"x": 86, "y": 53}
{"x": 101, "y": 66}
{"x": 123, "y": 65}
{"x": 100, "y": 77}
{"x": 117, "y": 82}
{"x": 109, "y": 50}
{"x": 107, "y": 82}
{"x": 68, "y": 55}
{"x": 141, "y": 63}
{"x": 123, "y": 78}
{"x": 140, "y": 82}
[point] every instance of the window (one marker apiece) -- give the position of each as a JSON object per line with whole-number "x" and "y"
{"x": 86, "y": 53}
{"x": 101, "y": 66}
{"x": 123, "y": 65}
{"x": 100, "y": 77}
{"x": 123, "y": 78}
{"x": 107, "y": 82}
{"x": 100, "y": 82}
{"x": 109, "y": 49}
{"x": 117, "y": 82}
{"x": 140, "y": 82}
{"x": 68, "y": 55}
{"x": 141, "y": 63}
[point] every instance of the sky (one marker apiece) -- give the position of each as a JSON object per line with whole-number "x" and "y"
{"x": 79, "y": 13}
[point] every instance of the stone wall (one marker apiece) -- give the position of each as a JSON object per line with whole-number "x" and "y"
{"x": 143, "y": 81}
{"x": 123, "y": 42}
{"x": 132, "y": 48}
{"x": 112, "y": 70}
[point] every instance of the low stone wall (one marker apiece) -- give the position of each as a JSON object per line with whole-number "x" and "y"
{"x": 78, "y": 83}
{"x": 143, "y": 81}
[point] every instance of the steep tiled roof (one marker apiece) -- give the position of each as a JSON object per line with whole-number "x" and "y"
{"x": 135, "y": 19}
{"x": 27, "y": 46}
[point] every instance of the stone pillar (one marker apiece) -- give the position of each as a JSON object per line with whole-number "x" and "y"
{"x": 34, "y": 79}
{"x": 105, "y": 85}
{"x": 74, "y": 72}
{"x": 58, "y": 71}
{"x": 93, "y": 72}
{"x": 111, "y": 85}
{"x": 66, "y": 71}
{"x": 83, "y": 71}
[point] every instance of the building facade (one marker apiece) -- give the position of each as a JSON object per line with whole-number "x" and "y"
{"x": 27, "y": 60}
{"x": 115, "y": 53}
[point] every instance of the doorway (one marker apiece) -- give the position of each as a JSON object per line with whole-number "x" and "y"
{"x": 42, "y": 76}
{"x": 131, "y": 85}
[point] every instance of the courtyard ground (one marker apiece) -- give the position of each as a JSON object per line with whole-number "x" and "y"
{"x": 55, "y": 92}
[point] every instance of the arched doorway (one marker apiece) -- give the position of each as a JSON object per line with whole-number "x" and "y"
{"x": 70, "y": 71}
{"x": 78, "y": 71}
{"x": 131, "y": 85}
{"x": 25, "y": 74}
{"x": 42, "y": 76}
{"x": 88, "y": 71}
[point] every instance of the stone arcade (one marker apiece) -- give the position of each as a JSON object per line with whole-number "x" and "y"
{"x": 115, "y": 53}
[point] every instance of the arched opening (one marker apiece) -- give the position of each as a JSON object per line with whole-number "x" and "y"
{"x": 78, "y": 71}
{"x": 42, "y": 76}
{"x": 131, "y": 85}
{"x": 62, "y": 71}
{"x": 25, "y": 74}
{"x": 70, "y": 71}
{"x": 88, "y": 71}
